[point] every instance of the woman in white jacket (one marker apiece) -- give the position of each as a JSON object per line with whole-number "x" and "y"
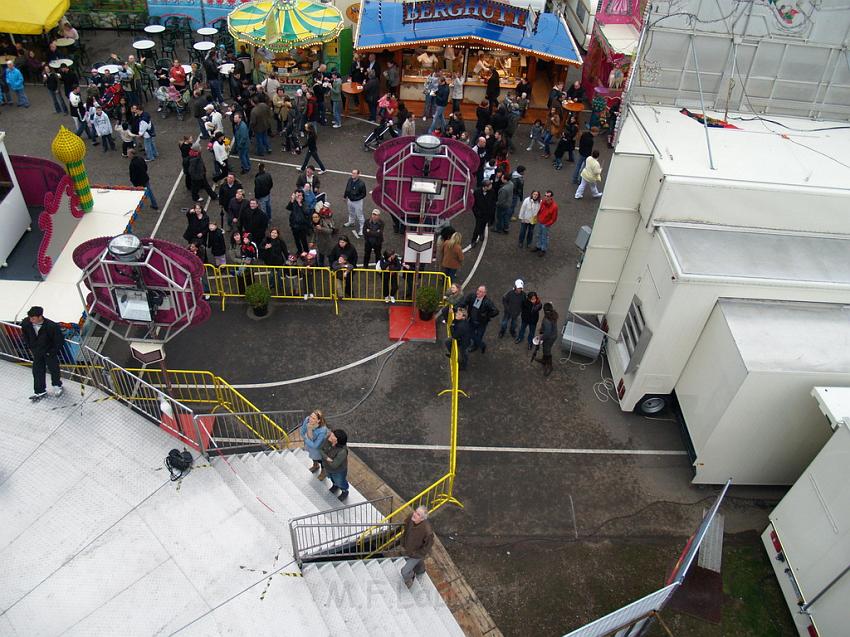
{"x": 528, "y": 217}
{"x": 103, "y": 128}
{"x": 220, "y": 155}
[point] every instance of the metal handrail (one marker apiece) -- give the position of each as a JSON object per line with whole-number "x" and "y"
{"x": 337, "y": 532}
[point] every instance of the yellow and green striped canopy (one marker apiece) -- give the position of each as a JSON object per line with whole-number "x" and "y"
{"x": 281, "y": 25}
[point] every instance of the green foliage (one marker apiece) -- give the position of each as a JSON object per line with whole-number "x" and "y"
{"x": 258, "y": 295}
{"x": 427, "y": 299}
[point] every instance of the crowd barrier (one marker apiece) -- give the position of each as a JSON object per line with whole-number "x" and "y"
{"x": 321, "y": 284}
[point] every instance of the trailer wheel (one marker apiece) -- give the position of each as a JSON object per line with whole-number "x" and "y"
{"x": 652, "y": 404}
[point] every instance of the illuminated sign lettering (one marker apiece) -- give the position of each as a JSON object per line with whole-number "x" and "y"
{"x": 486, "y": 10}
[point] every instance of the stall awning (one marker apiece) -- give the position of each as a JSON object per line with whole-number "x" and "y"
{"x": 381, "y": 27}
{"x": 619, "y": 39}
{"x": 31, "y": 17}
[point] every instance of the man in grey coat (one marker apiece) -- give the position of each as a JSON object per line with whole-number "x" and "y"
{"x": 512, "y": 306}
{"x": 504, "y": 204}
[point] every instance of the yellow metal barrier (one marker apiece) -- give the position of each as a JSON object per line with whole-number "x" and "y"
{"x": 324, "y": 284}
{"x": 189, "y": 386}
{"x": 367, "y": 284}
{"x": 440, "y": 492}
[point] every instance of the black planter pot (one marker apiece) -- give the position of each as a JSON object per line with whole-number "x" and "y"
{"x": 261, "y": 311}
{"x": 425, "y": 316}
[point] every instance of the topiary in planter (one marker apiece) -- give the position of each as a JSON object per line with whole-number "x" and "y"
{"x": 427, "y": 301}
{"x": 258, "y": 297}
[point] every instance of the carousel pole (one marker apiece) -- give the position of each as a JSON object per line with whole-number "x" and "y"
{"x": 70, "y": 150}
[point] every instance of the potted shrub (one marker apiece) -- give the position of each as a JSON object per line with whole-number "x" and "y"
{"x": 428, "y": 302}
{"x": 258, "y": 297}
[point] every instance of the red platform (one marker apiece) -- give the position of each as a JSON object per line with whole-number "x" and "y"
{"x": 400, "y": 316}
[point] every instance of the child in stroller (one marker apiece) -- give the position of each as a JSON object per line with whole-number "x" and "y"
{"x": 110, "y": 101}
{"x": 169, "y": 98}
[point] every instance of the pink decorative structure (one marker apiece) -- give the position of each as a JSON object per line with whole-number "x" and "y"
{"x": 57, "y": 223}
{"x": 164, "y": 277}
{"x": 399, "y": 161}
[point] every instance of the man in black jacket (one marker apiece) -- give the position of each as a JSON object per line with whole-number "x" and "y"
{"x": 263, "y": 185}
{"x": 355, "y": 193}
{"x": 483, "y": 209}
{"x": 44, "y": 339}
{"x": 226, "y": 193}
{"x": 236, "y": 208}
{"x": 585, "y": 149}
{"x": 139, "y": 176}
{"x": 373, "y": 233}
{"x": 480, "y": 309}
{"x": 462, "y": 333}
{"x": 343, "y": 247}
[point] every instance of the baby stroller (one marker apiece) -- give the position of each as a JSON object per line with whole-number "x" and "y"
{"x": 170, "y": 99}
{"x": 374, "y": 139}
{"x": 110, "y": 101}
{"x": 291, "y": 143}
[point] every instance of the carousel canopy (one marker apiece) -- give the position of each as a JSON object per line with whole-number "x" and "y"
{"x": 281, "y": 25}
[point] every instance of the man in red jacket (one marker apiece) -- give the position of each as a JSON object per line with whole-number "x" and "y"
{"x": 546, "y": 218}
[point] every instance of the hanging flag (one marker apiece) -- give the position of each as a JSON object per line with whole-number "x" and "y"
{"x": 272, "y": 26}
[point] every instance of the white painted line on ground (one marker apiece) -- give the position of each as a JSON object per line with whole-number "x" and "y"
{"x": 586, "y": 452}
{"x": 292, "y": 381}
{"x": 167, "y": 203}
{"x": 478, "y": 260}
{"x": 298, "y": 167}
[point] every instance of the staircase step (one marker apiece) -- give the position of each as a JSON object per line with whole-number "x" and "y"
{"x": 297, "y": 468}
{"x": 374, "y": 587}
{"x": 403, "y": 599}
{"x": 422, "y": 602}
{"x": 342, "y": 596}
{"x": 295, "y": 491}
{"x": 387, "y": 589}
{"x": 258, "y": 509}
{"x": 438, "y": 603}
{"x": 323, "y": 589}
{"x": 375, "y": 624}
{"x": 263, "y": 487}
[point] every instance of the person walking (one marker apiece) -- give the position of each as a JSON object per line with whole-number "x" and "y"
{"x": 197, "y": 172}
{"x": 452, "y": 258}
{"x": 263, "y": 184}
{"x": 15, "y": 82}
{"x": 139, "y": 176}
{"x": 312, "y": 149}
{"x": 52, "y": 80}
{"x": 44, "y": 339}
{"x": 336, "y": 99}
{"x": 493, "y": 89}
{"x": 147, "y": 131}
{"x": 335, "y": 462}
{"x": 585, "y": 149}
{"x": 461, "y": 332}
{"x": 512, "y": 307}
{"x": 547, "y": 215}
{"x": 480, "y": 310}
{"x": 548, "y": 336}
{"x": 441, "y": 100}
{"x": 241, "y": 142}
{"x": 373, "y": 235}
{"x": 416, "y": 541}
{"x": 103, "y": 129}
{"x": 591, "y": 175}
{"x": 504, "y": 204}
{"x": 261, "y": 123}
{"x": 483, "y": 209}
{"x": 314, "y": 431}
{"x": 371, "y": 93}
{"x": 457, "y": 92}
{"x": 528, "y": 218}
{"x": 355, "y": 193}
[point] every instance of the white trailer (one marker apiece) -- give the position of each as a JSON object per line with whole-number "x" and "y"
{"x": 770, "y": 221}
{"x": 808, "y": 537}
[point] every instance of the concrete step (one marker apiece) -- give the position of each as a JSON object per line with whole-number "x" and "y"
{"x": 404, "y": 601}
{"x": 263, "y": 487}
{"x": 292, "y": 491}
{"x": 375, "y": 585}
{"x": 438, "y": 603}
{"x": 324, "y": 592}
{"x": 375, "y": 624}
{"x": 340, "y": 595}
{"x": 242, "y": 491}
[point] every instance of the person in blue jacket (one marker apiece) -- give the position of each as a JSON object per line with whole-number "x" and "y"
{"x": 314, "y": 430}
{"x": 15, "y": 82}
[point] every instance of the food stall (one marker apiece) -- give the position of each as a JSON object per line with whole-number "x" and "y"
{"x": 287, "y": 36}
{"x": 474, "y": 38}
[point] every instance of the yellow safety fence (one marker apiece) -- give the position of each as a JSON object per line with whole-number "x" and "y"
{"x": 322, "y": 284}
{"x": 194, "y": 387}
{"x": 440, "y": 492}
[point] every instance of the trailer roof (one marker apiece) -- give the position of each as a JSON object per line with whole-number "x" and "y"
{"x": 723, "y": 252}
{"x": 769, "y": 149}
{"x": 792, "y": 336}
